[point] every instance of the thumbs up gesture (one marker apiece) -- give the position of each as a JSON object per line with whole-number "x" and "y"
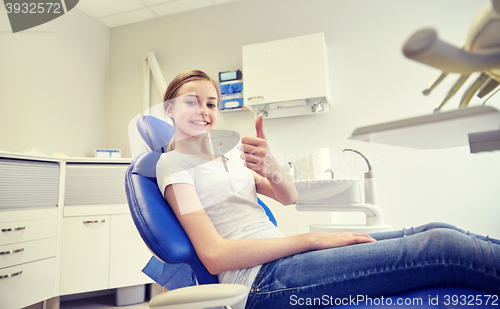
{"x": 256, "y": 151}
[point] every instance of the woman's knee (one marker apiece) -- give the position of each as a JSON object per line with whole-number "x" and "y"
{"x": 439, "y": 225}
{"x": 449, "y": 241}
{"x": 443, "y": 233}
{"x": 441, "y": 241}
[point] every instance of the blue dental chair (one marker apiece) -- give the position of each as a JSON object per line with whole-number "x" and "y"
{"x": 165, "y": 237}
{"x": 162, "y": 233}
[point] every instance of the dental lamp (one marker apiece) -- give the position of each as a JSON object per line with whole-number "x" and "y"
{"x": 480, "y": 53}
{"x": 477, "y": 126}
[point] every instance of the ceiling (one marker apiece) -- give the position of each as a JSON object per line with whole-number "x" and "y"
{"x": 114, "y": 13}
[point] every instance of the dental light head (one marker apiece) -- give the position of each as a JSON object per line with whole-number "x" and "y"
{"x": 480, "y": 53}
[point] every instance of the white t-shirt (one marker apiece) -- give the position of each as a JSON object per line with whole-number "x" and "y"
{"x": 227, "y": 193}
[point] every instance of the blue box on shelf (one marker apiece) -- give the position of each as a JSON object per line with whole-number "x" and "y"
{"x": 231, "y": 87}
{"x": 229, "y": 75}
{"x": 232, "y": 102}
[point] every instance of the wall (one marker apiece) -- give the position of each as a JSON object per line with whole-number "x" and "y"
{"x": 53, "y": 85}
{"x": 371, "y": 82}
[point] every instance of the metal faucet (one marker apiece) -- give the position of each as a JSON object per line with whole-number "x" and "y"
{"x": 330, "y": 172}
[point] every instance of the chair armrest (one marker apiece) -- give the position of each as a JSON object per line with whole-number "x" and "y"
{"x": 200, "y": 296}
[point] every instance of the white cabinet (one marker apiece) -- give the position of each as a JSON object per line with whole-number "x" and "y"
{"x": 101, "y": 252}
{"x": 65, "y": 228}
{"x": 287, "y": 77}
{"x": 29, "y": 192}
{"x": 28, "y": 249}
{"x": 84, "y": 254}
{"x": 128, "y": 253}
{"x": 101, "y": 248}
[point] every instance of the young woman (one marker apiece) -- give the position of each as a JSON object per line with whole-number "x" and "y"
{"x": 215, "y": 201}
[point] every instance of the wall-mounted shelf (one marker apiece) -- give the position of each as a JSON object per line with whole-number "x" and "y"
{"x": 233, "y": 110}
{"x": 439, "y": 130}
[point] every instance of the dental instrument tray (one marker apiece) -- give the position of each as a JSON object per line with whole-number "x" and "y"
{"x": 438, "y": 130}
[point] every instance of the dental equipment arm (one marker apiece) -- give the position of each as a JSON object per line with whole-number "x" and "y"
{"x": 480, "y": 53}
{"x": 488, "y": 87}
{"x": 435, "y": 83}
{"x": 425, "y": 46}
{"x": 460, "y": 81}
{"x": 473, "y": 88}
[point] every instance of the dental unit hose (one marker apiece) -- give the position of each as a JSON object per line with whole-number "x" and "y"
{"x": 370, "y": 187}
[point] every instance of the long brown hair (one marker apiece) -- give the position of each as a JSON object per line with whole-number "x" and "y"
{"x": 178, "y": 82}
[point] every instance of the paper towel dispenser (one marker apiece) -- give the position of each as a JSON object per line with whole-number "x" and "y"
{"x": 287, "y": 77}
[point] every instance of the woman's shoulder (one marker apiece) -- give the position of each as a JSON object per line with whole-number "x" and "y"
{"x": 172, "y": 158}
{"x": 170, "y": 154}
{"x": 173, "y": 166}
{"x": 175, "y": 161}
{"x": 165, "y": 157}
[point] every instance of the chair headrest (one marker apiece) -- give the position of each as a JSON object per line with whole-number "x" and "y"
{"x": 145, "y": 164}
{"x": 155, "y": 132}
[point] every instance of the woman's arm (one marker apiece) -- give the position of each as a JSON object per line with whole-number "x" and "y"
{"x": 219, "y": 254}
{"x": 285, "y": 193}
{"x": 270, "y": 179}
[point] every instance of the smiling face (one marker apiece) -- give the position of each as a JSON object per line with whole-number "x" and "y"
{"x": 194, "y": 110}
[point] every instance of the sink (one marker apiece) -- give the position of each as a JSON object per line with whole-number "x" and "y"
{"x": 341, "y": 195}
{"x": 328, "y": 192}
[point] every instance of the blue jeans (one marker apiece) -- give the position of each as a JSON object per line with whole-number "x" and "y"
{"x": 432, "y": 254}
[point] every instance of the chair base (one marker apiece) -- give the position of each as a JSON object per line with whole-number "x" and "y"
{"x": 130, "y": 295}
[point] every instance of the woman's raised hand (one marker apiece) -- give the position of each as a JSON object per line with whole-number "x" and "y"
{"x": 256, "y": 152}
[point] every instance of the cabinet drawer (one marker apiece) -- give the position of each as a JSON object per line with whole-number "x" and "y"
{"x": 27, "y": 284}
{"x": 20, "y": 253}
{"x": 84, "y": 254}
{"x": 21, "y": 231}
{"x": 28, "y": 214}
